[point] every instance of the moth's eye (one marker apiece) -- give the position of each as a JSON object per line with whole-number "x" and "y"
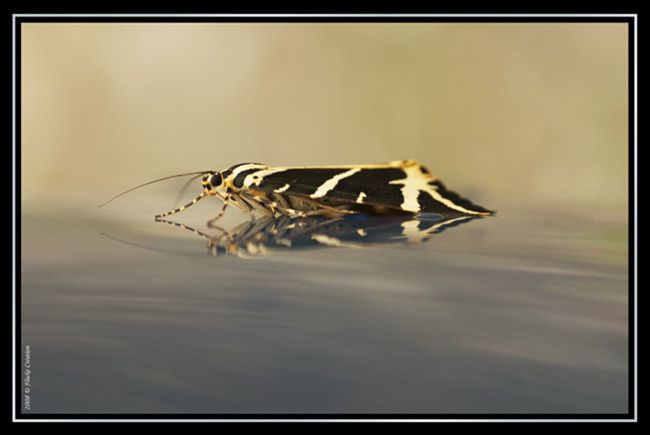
{"x": 216, "y": 180}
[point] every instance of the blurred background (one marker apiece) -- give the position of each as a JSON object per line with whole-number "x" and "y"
{"x": 503, "y": 112}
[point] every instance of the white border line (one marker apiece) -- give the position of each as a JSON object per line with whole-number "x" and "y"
{"x": 334, "y": 15}
{"x": 13, "y": 210}
{"x": 636, "y": 308}
{"x": 636, "y": 221}
{"x": 328, "y": 420}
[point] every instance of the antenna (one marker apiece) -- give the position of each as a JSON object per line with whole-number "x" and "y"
{"x": 152, "y": 182}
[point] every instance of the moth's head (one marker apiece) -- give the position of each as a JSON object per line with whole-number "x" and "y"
{"x": 212, "y": 182}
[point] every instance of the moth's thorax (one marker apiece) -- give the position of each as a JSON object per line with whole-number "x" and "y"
{"x": 241, "y": 176}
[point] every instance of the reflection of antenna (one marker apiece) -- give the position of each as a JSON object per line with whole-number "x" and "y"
{"x": 213, "y": 241}
{"x": 148, "y": 248}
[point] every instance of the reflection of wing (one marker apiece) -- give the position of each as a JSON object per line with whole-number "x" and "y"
{"x": 416, "y": 231}
{"x": 373, "y": 231}
{"x": 348, "y": 231}
{"x": 402, "y": 186}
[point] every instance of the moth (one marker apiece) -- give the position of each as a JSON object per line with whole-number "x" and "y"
{"x": 393, "y": 188}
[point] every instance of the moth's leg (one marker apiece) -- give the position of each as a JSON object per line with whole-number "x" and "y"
{"x": 283, "y": 206}
{"x": 338, "y": 211}
{"x": 283, "y": 224}
{"x": 327, "y": 212}
{"x": 290, "y": 212}
{"x": 246, "y": 206}
{"x": 239, "y": 202}
{"x": 282, "y": 202}
{"x": 305, "y": 207}
{"x": 221, "y": 212}
{"x": 258, "y": 205}
{"x": 230, "y": 199}
{"x": 211, "y": 224}
{"x": 236, "y": 200}
{"x": 308, "y": 225}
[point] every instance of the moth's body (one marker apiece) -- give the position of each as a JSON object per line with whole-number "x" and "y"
{"x": 399, "y": 187}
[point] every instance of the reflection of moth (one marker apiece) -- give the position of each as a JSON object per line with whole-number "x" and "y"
{"x": 400, "y": 187}
{"x": 356, "y": 231}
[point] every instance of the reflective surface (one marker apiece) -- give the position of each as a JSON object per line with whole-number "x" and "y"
{"x": 522, "y": 312}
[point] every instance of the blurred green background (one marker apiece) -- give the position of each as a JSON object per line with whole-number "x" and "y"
{"x": 504, "y": 112}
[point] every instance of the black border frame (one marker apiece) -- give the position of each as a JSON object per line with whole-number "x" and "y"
{"x": 629, "y": 18}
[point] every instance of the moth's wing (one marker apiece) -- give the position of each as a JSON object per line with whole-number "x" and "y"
{"x": 430, "y": 200}
{"x": 358, "y": 185}
{"x": 403, "y": 186}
